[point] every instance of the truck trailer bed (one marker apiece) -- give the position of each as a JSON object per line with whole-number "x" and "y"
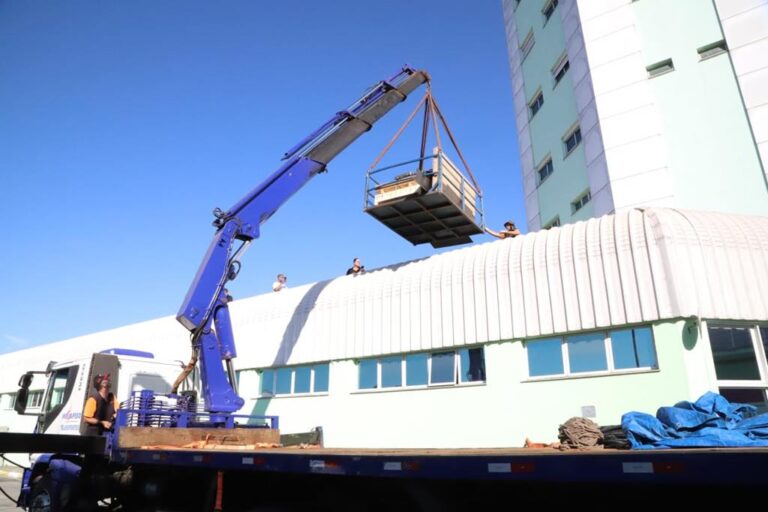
{"x": 711, "y": 466}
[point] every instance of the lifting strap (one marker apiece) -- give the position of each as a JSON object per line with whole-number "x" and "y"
{"x": 431, "y": 112}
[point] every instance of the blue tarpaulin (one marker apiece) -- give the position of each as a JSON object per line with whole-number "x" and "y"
{"x": 710, "y": 421}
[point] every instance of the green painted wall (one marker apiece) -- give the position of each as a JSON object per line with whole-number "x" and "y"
{"x": 555, "y": 117}
{"x": 503, "y": 411}
{"x": 713, "y": 159}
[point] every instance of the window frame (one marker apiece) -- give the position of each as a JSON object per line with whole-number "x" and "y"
{"x": 538, "y": 95}
{"x": 260, "y": 372}
{"x": 37, "y": 394}
{"x": 759, "y": 347}
{"x": 527, "y": 45}
{"x": 546, "y": 161}
{"x": 560, "y": 69}
{"x": 712, "y": 50}
{"x": 608, "y": 350}
{"x": 551, "y": 6}
{"x": 581, "y": 201}
{"x": 404, "y": 386}
{"x": 660, "y": 68}
{"x": 572, "y": 131}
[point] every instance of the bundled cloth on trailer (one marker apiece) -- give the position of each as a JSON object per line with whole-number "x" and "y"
{"x": 710, "y": 421}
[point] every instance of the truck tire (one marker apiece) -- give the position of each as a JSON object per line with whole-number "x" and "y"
{"x": 40, "y": 495}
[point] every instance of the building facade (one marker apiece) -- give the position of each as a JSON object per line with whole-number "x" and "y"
{"x": 637, "y": 103}
{"x": 491, "y": 344}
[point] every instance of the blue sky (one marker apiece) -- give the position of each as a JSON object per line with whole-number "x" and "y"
{"x": 125, "y": 123}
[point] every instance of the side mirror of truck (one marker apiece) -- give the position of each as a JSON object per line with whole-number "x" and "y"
{"x": 23, "y": 394}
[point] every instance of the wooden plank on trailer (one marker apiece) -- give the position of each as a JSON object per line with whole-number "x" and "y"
{"x": 138, "y": 437}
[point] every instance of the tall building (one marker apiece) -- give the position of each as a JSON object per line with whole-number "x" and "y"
{"x": 623, "y": 103}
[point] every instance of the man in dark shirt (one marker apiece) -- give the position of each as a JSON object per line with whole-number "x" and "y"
{"x": 356, "y": 267}
{"x": 100, "y": 408}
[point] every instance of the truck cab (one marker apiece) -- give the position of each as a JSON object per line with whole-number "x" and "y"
{"x": 69, "y": 384}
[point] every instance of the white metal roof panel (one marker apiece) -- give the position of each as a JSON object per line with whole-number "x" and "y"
{"x": 635, "y": 266}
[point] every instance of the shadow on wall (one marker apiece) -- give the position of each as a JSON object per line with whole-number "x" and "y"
{"x": 259, "y": 409}
{"x": 297, "y": 323}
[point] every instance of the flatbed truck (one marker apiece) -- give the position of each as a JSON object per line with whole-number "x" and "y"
{"x": 136, "y": 468}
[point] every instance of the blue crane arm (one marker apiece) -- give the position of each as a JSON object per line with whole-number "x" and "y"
{"x": 204, "y": 311}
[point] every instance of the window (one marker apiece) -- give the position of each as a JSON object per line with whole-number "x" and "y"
{"x": 571, "y": 140}
{"x": 294, "y": 380}
{"x": 283, "y": 381}
{"x": 545, "y": 357}
{"x": 471, "y": 365}
{"x": 548, "y": 10}
{"x": 535, "y": 104}
{"x": 7, "y": 400}
{"x": 632, "y": 348}
{"x": 320, "y": 372}
{"x": 268, "y": 382}
{"x": 35, "y": 399}
{"x": 582, "y": 200}
{"x": 527, "y": 44}
{"x": 450, "y": 367}
{"x": 660, "y": 68}
{"x": 57, "y": 389}
{"x": 303, "y": 378}
{"x": 560, "y": 69}
{"x": 443, "y": 368}
{"x": 416, "y": 369}
{"x": 588, "y": 353}
{"x": 712, "y": 50}
{"x": 733, "y": 350}
{"x": 553, "y": 223}
{"x": 368, "y": 374}
{"x": 739, "y": 355}
{"x": 544, "y": 170}
{"x": 391, "y": 372}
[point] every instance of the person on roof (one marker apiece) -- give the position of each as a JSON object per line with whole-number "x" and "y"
{"x": 509, "y": 231}
{"x": 279, "y": 284}
{"x": 356, "y": 268}
{"x": 100, "y": 408}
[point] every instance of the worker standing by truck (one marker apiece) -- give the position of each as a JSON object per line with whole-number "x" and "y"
{"x": 101, "y": 407}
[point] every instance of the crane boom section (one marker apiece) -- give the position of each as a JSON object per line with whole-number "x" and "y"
{"x": 205, "y": 304}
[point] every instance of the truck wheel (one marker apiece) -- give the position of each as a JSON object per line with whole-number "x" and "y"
{"x": 40, "y": 496}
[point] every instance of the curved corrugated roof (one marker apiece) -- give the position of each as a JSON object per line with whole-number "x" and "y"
{"x": 631, "y": 267}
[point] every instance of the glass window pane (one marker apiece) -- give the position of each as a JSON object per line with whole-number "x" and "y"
{"x": 586, "y": 352}
{"x": 416, "y": 369}
{"x": 284, "y": 381}
{"x": 443, "y": 364}
{"x": 734, "y": 353}
{"x": 633, "y": 348}
{"x": 391, "y": 372}
{"x": 754, "y": 397}
{"x": 764, "y": 335}
{"x": 545, "y": 357}
{"x": 303, "y": 376}
{"x": 268, "y": 382}
{"x": 58, "y": 386}
{"x": 321, "y": 378}
{"x": 367, "y": 376}
{"x": 472, "y": 364}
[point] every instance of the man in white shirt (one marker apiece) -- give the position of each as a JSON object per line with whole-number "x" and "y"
{"x": 280, "y": 283}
